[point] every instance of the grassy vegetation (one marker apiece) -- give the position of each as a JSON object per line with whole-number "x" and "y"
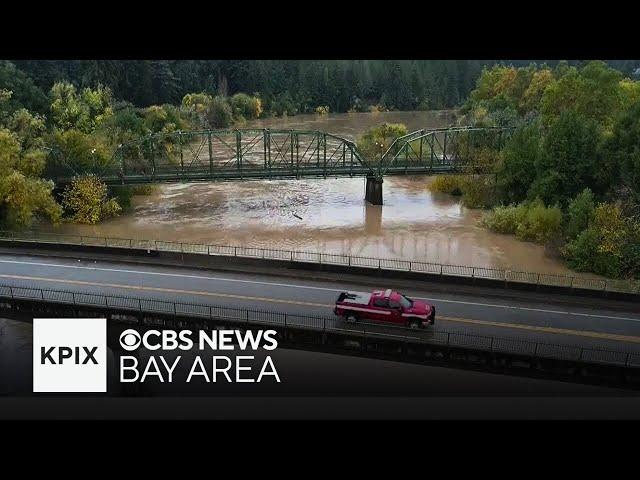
{"x": 477, "y": 191}
{"x": 450, "y": 184}
{"x": 531, "y": 221}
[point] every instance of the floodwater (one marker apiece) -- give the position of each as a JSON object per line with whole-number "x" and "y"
{"x": 328, "y": 215}
{"x": 353, "y": 125}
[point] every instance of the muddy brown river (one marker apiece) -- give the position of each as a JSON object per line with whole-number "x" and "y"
{"x": 328, "y": 215}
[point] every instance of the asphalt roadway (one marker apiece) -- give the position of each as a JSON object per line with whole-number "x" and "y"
{"x": 538, "y": 319}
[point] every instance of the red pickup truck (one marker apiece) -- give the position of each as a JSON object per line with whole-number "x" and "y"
{"x": 386, "y": 306}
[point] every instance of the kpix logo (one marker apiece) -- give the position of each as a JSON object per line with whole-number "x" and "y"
{"x": 69, "y": 355}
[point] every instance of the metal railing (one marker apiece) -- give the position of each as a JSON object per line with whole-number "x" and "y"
{"x": 484, "y": 343}
{"x": 507, "y": 276}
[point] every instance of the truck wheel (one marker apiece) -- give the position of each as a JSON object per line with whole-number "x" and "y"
{"x": 352, "y": 318}
{"x": 414, "y": 323}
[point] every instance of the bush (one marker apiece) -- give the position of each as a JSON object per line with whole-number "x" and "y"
{"x": 425, "y": 105}
{"x": 584, "y": 255}
{"x": 540, "y": 224}
{"x": 504, "y": 219}
{"x": 358, "y": 105}
{"x": 122, "y": 194}
{"x": 197, "y": 102}
{"x": 377, "y": 139}
{"x": 246, "y": 106}
{"x": 124, "y": 126}
{"x": 528, "y": 221}
{"x": 449, "y": 184}
{"x": 85, "y": 199}
{"x": 22, "y": 198}
{"x": 609, "y": 246}
{"x": 22, "y": 194}
{"x": 219, "y": 113}
{"x": 478, "y": 191}
{"x": 322, "y": 110}
{"x": 580, "y": 213}
{"x": 81, "y": 150}
{"x": 283, "y": 104}
{"x": 145, "y": 189}
{"x": 377, "y": 108}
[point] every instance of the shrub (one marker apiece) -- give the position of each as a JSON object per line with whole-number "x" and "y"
{"x": 164, "y": 119}
{"x": 580, "y": 213}
{"x": 283, "y": 104}
{"x": 197, "y": 102}
{"x": 584, "y": 255}
{"x": 219, "y": 113}
{"x": 122, "y": 194}
{"x": 450, "y": 184}
{"x": 322, "y": 110}
{"x": 377, "y": 108}
{"x": 609, "y": 246}
{"x": 22, "y": 194}
{"x": 83, "y": 151}
{"x": 246, "y": 106}
{"x": 22, "y": 198}
{"x": 504, "y": 219}
{"x": 478, "y": 191}
{"x": 358, "y": 105}
{"x": 528, "y": 221}
{"x": 145, "y": 189}
{"x": 377, "y": 139}
{"x": 85, "y": 199}
{"x": 425, "y": 104}
{"x": 540, "y": 224}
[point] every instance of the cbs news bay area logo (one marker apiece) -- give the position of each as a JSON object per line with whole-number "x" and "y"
{"x": 70, "y": 355}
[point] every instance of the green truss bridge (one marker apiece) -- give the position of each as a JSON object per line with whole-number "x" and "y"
{"x": 188, "y": 156}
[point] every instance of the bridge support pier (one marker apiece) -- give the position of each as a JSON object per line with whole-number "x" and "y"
{"x": 373, "y": 191}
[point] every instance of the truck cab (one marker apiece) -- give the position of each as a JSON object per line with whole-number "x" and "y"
{"x": 386, "y": 306}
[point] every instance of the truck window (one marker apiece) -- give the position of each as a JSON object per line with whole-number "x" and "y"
{"x": 381, "y": 302}
{"x": 393, "y": 304}
{"x": 406, "y": 303}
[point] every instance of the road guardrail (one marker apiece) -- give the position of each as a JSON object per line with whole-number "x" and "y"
{"x": 149, "y": 305}
{"x": 373, "y": 263}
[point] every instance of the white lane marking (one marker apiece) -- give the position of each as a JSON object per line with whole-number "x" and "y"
{"x": 561, "y": 312}
{"x": 275, "y": 284}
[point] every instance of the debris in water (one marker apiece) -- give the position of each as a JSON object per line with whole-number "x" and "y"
{"x": 297, "y": 216}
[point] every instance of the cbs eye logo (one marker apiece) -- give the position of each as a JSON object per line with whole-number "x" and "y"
{"x": 130, "y": 340}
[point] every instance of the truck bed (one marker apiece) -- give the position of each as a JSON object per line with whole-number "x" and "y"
{"x": 359, "y": 298}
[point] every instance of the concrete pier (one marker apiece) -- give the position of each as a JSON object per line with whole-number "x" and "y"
{"x": 373, "y": 191}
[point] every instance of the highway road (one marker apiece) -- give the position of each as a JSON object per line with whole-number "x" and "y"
{"x": 533, "y": 320}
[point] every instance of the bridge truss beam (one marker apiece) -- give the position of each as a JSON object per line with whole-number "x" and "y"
{"x": 238, "y": 154}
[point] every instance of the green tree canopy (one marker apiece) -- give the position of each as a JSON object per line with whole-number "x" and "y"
{"x": 519, "y": 159}
{"x": 569, "y": 162}
{"x": 83, "y": 111}
{"x": 378, "y": 139}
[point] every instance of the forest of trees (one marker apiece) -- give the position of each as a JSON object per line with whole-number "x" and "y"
{"x": 289, "y": 86}
{"x": 569, "y": 177}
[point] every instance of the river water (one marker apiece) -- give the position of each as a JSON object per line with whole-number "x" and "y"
{"x": 328, "y": 215}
